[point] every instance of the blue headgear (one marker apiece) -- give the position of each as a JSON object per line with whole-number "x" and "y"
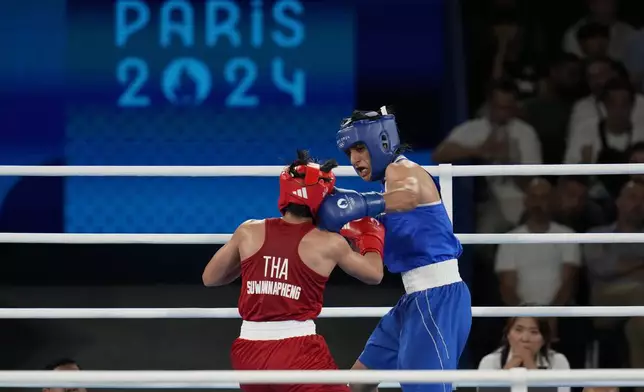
{"x": 378, "y": 132}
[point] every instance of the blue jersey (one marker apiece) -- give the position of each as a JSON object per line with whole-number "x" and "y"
{"x": 419, "y": 237}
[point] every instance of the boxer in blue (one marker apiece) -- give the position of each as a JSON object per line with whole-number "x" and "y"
{"x": 428, "y": 327}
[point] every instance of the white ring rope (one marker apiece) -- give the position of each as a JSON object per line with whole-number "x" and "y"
{"x": 185, "y": 239}
{"x": 341, "y": 312}
{"x": 214, "y": 379}
{"x": 343, "y": 171}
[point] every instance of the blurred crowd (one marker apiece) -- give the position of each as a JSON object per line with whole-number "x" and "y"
{"x": 576, "y": 101}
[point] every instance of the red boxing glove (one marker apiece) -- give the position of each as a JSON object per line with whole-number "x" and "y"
{"x": 366, "y": 234}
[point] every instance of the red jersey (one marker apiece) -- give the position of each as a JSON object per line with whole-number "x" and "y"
{"x": 276, "y": 284}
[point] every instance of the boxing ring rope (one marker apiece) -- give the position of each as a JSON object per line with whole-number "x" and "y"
{"x": 335, "y": 312}
{"x": 342, "y": 171}
{"x": 505, "y": 238}
{"x": 517, "y": 378}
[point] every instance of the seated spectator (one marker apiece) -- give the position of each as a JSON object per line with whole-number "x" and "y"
{"x": 593, "y": 39}
{"x": 572, "y": 206}
{"x": 506, "y": 43}
{"x": 616, "y": 275}
{"x": 526, "y": 343}
{"x": 64, "y": 364}
{"x": 538, "y": 273}
{"x": 598, "y": 73}
{"x": 608, "y": 140}
{"x": 498, "y": 138}
{"x": 549, "y": 112}
{"x": 511, "y": 59}
{"x": 603, "y": 12}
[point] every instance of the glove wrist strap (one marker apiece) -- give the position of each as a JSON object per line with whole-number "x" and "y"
{"x": 375, "y": 203}
{"x": 370, "y": 243}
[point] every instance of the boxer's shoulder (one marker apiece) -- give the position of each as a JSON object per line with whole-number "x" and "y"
{"x": 253, "y": 222}
{"x": 402, "y": 169}
{"x": 323, "y": 239}
{"x": 251, "y": 227}
{"x": 321, "y": 236}
{"x": 402, "y": 163}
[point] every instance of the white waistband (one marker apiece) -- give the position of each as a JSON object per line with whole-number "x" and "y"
{"x": 430, "y": 276}
{"x": 276, "y": 330}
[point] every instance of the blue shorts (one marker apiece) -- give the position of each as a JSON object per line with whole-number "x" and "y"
{"x": 426, "y": 330}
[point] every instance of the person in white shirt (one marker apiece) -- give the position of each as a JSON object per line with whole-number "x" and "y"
{"x": 526, "y": 343}
{"x": 599, "y": 72}
{"x": 497, "y": 138}
{"x": 544, "y": 274}
{"x": 604, "y": 12}
{"x": 607, "y": 140}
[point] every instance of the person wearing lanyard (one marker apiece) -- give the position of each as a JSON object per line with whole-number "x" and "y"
{"x": 616, "y": 131}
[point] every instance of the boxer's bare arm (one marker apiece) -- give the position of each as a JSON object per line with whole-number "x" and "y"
{"x": 367, "y": 268}
{"x": 225, "y": 266}
{"x": 408, "y": 185}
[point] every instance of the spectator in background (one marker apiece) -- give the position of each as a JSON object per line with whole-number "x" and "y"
{"x": 573, "y": 208}
{"x": 544, "y": 274}
{"x": 603, "y": 12}
{"x": 64, "y": 364}
{"x": 526, "y": 343}
{"x": 549, "y": 112}
{"x": 593, "y": 39}
{"x": 497, "y": 138}
{"x": 608, "y": 140}
{"x": 507, "y": 43}
{"x": 511, "y": 60}
{"x": 597, "y": 73}
{"x": 616, "y": 278}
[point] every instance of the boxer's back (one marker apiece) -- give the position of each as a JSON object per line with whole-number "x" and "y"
{"x": 276, "y": 284}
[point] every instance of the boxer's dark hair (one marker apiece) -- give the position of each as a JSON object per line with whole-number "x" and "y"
{"x": 359, "y": 115}
{"x": 304, "y": 158}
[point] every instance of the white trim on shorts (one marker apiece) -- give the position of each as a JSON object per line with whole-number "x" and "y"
{"x": 276, "y": 330}
{"x": 431, "y": 276}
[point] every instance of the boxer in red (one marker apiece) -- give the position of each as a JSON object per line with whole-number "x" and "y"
{"x": 284, "y": 264}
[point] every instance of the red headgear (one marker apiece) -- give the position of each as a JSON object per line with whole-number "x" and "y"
{"x": 308, "y": 191}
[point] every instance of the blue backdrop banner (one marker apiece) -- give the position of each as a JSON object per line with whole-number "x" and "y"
{"x": 214, "y": 82}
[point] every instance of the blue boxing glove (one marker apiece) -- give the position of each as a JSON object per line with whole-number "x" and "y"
{"x": 343, "y": 206}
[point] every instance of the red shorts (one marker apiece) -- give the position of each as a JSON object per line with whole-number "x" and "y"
{"x": 299, "y": 353}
